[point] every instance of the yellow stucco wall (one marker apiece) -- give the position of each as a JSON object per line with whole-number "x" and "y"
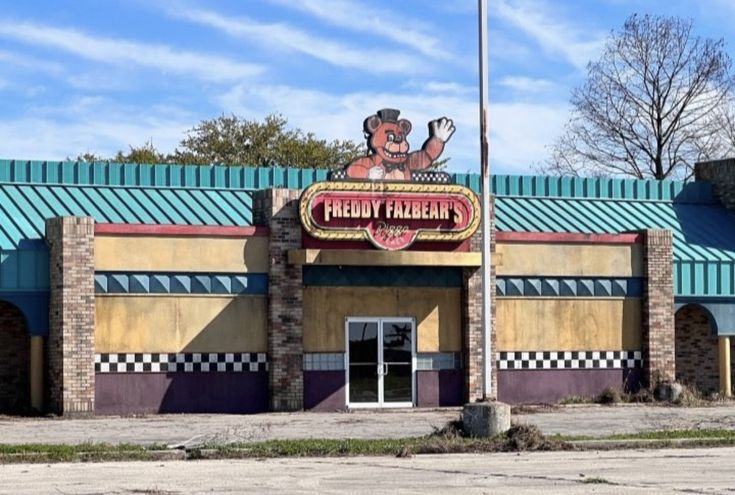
{"x": 187, "y": 254}
{"x": 180, "y": 324}
{"x": 437, "y": 313}
{"x": 541, "y": 324}
{"x": 602, "y": 260}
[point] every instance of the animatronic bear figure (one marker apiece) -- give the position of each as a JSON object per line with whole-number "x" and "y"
{"x": 388, "y": 158}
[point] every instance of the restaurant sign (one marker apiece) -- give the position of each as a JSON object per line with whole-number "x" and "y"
{"x": 391, "y": 215}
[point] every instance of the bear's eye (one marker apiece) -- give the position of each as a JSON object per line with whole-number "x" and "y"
{"x": 391, "y": 137}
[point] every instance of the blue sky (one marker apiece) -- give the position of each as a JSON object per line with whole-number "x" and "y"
{"x": 90, "y": 75}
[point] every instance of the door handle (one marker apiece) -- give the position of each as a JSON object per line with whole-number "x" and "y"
{"x": 385, "y": 369}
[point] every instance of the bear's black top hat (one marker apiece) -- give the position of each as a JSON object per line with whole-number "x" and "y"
{"x": 389, "y": 114}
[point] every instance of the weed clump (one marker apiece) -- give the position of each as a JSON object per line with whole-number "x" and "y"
{"x": 688, "y": 397}
{"x": 453, "y": 429}
{"x": 642, "y": 396}
{"x": 665, "y": 393}
{"x": 610, "y": 395}
{"x": 524, "y": 437}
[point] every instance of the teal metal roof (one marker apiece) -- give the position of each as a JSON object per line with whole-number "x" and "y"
{"x": 703, "y": 234}
{"x": 133, "y": 174}
{"x": 220, "y": 176}
{"x": 601, "y": 188}
{"x": 24, "y": 207}
{"x": 31, "y": 191}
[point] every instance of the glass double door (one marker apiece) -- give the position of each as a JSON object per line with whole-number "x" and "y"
{"x": 380, "y": 362}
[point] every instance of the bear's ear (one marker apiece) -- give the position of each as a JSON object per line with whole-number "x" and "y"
{"x": 372, "y": 123}
{"x": 405, "y": 126}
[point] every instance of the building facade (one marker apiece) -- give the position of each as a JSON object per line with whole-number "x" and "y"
{"x": 131, "y": 289}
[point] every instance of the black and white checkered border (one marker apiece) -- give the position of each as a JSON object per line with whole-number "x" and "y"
{"x": 425, "y": 176}
{"x": 180, "y": 362}
{"x": 430, "y": 176}
{"x": 550, "y": 360}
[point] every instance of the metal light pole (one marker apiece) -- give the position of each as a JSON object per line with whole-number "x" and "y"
{"x": 485, "y": 176}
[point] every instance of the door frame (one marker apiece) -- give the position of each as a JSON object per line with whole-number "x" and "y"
{"x": 379, "y": 320}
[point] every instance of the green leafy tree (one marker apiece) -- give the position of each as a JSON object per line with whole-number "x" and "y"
{"x": 88, "y": 156}
{"x": 232, "y": 140}
{"x": 143, "y": 154}
{"x": 236, "y": 141}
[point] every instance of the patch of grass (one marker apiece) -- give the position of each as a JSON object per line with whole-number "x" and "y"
{"x": 312, "y": 448}
{"x": 675, "y": 434}
{"x": 704, "y": 434}
{"x": 88, "y": 452}
{"x": 447, "y": 440}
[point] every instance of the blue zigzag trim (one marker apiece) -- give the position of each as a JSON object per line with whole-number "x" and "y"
{"x": 180, "y": 283}
{"x": 569, "y": 287}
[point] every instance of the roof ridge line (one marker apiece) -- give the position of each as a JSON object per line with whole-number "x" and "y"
{"x": 126, "y": 186}
{"x": 588, "y": 198}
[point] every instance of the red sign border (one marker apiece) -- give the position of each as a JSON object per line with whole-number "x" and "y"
{"x": 359, "y": 234}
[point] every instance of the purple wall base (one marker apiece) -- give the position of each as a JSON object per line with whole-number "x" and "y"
{"x": 324, "y": 390}
{"x": 439, "y": 388}
{"x": 548, "y": 386}
{"x": 146, "y": 393}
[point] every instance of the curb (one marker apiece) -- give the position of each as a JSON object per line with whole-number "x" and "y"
{"x": 651, "y": 443}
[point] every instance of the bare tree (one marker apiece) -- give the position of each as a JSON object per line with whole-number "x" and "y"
{"x": 648, "y": 108}
{"x": 721, "y": 144}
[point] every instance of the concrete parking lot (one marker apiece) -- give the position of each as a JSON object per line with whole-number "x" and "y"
{"x": 658, "y": 471}
{"x": 202, "y": 428}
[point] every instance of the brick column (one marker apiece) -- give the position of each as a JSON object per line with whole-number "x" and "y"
{"x": 658, "y": 308}
{"x": 472, "y": 320}
{"x": 71, "y": 315}
{"x": 278, "y": 209}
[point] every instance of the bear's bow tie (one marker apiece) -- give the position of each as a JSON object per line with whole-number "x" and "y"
{"x": 390, "y": 167}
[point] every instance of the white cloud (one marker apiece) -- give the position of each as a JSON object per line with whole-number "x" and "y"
{"x": 90, "y": 124}
{"x": 454, "y": 7}
{"x": 520, "y": 132}
{"x": 523, "y": 84}
{"x": 286, "y": 37}
{"x": 204, "y": 66}
{"x": 502, "y": 47}
{"x": 380, "y": 23}
{"x": 340, "y": 116}
{"x": 553, "y": 35}
{"x": 443, "y": 87}
{"x": 30, "y": 63}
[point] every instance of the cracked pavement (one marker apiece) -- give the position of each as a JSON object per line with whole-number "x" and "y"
{"x": 705, "y": 471}
{"x": 193, "y": 429}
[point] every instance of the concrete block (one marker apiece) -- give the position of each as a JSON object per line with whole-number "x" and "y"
{"x": 486, "y": 419}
